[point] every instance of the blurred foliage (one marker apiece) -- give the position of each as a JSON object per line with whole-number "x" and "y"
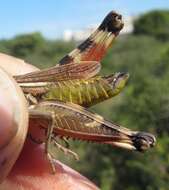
{"x": 37, "y": 50}
{"x": 143, "y": 105}
{"x": 154, "y": 23}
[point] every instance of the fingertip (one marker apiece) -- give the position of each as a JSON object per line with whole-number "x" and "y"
{"x": 15, "y": 66}
{"x": 13, "y": 123}
{"x": 32, "y": 169}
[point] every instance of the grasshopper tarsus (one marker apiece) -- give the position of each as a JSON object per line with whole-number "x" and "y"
{"x": 65, "y": 150}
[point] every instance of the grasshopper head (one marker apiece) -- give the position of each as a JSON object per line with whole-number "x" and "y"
{"x": 118, "y": 82}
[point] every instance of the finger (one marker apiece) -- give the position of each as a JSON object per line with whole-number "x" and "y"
{"x": 15, "y": 66}
{"x": 32, "y": 170}
{"x": 13, "y": 122}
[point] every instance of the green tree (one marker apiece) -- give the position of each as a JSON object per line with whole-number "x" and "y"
{"x": 35, "y": 49}
{"x": 154, "y": 23}
{"x": 142, "y": 106}
{"x": 25, "y": 44}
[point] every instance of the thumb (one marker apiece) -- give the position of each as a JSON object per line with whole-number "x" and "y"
{"x": 13, "y": 123}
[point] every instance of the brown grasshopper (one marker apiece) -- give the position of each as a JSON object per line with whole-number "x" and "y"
{"x": 53, "y": 95}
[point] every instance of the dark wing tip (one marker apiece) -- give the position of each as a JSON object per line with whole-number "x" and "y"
{"x": 143, "y": 141}
{"x": 112, "y": 23}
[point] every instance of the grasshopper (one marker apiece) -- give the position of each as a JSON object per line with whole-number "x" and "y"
{"x": 56, "y": 94}
{"x": 85, "y": 92}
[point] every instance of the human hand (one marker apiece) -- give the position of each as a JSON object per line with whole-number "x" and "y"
{"x": 32, "y": 170}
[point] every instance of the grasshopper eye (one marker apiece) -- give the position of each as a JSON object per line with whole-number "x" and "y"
{"x": 114, "y": 80}
{"x": 13, "y": 123}
{"x": 118, "y": 80}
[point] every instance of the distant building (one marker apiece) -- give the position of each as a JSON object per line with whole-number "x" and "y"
{"x": 128, "y": 25}
{"x": 80, "y": 35}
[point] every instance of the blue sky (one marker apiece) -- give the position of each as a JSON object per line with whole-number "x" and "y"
{"x": 52, "y": 17}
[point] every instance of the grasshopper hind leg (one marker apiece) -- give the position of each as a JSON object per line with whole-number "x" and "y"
{"x": 51, "y": 137}
{"x": 48, "y": 142}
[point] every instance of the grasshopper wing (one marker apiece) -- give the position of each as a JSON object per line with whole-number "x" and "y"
{"x": 85, "y": 70}
{"x": 87, "y": 54}
{"x": 96, "y": 45}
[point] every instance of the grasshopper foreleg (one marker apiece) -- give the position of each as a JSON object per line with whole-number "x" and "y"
{"x": 31, "y": 99}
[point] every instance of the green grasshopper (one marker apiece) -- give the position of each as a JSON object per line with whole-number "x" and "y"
{"x": 85, "y": 92}
{"x": 55, "y": 96}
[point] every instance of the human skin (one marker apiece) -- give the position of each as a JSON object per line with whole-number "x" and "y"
{"x": 32, "y": 169}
